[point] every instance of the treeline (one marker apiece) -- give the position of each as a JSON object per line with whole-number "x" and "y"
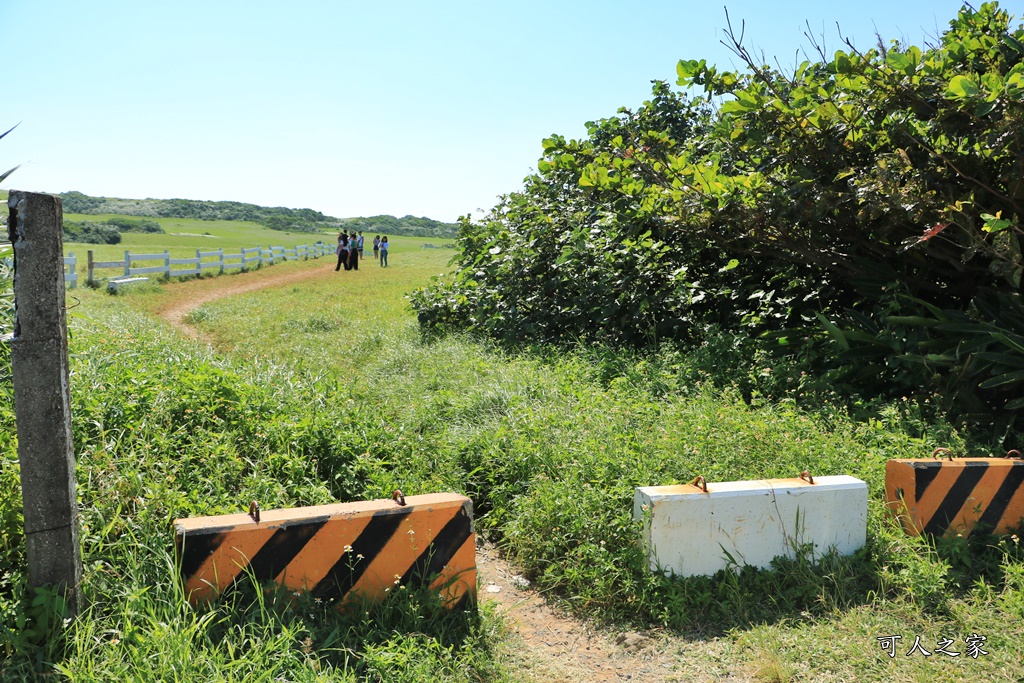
{"x": 861, "y": 214}
{"x": 406, "y": 225}
{"x": 275, "y": 218}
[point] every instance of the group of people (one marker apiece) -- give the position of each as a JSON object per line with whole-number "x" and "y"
{"x": 350, "y": 250}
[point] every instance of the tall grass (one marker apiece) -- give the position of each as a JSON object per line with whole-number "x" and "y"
{"x": 326, "y": 391}
{"x": 551, "y": 446}
{"x": 165, "y": 429}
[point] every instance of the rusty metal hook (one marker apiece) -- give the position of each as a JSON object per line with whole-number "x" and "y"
{"x": 1014, "y": 454}
{"x": 938, "y": 450}
{"x": 700, "y": 482}
{"x": 398, "y": 497}
{"x": 254, "y": 511}
{"x": 806, "y": 476}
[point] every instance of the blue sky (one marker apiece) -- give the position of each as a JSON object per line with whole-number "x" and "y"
{"x": 356, "y": 109}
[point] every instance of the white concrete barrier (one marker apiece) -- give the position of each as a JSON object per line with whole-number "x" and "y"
{"x": 690, "y": 532}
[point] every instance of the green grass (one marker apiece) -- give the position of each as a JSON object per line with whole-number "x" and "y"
{"x": 183, "y": 234}
{"x": 164, "y": 429}
{"x": 191, "y": 233}
{"x": 182, "y": 237}
{"x": 326, "y": 391}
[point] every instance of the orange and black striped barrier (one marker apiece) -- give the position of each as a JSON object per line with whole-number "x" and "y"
{"x": 337, "y": 551}
{"x": 937, "y": 496}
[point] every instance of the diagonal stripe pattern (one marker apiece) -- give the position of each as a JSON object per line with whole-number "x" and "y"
{"x": 338, "y": 551}
{"x": 965, "y": 496}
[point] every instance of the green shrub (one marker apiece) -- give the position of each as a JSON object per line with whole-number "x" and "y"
{"x": 873, "y": 195}
{"x": 91, "y": 233}
{"x": 124, "y": 224}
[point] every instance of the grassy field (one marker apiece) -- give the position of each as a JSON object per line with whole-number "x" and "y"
{"x": 326, "y": 390}
{"x": 182, "y": 237}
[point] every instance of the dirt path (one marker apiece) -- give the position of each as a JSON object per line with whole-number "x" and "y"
{"x": 546, "y": 645}
{"x": 195, "y": 293}
{"x": 553, "y": 647}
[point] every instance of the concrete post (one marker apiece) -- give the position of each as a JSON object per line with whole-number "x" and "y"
{"x": 90, "y": 268}
{"x": 42, "y": 398}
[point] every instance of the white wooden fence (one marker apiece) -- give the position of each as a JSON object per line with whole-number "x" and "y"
{"x": 202, "y": 262}
{"x": 71, "y": 275}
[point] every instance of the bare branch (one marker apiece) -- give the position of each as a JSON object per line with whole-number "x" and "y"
{"x": 735, "y": 45}
{"x": 820, "y": 48}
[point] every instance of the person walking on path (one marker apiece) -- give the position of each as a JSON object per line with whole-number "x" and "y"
{"x": 376, "y": 248}
{"x": 384, "y": 251}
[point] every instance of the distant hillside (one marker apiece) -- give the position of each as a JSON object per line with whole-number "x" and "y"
{"x": 275, "y": 218}
{"x": 406, "y": 225}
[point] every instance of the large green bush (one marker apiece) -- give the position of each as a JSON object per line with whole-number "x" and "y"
{"x": 90, "y": 232}
{"x": 865, "y": 208}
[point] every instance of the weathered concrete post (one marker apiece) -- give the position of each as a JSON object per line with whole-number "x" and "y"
{"x": 42, "y": 397}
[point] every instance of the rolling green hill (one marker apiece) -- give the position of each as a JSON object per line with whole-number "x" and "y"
{"x": 275, "y": 218}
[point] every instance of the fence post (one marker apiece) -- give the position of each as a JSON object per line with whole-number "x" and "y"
{"x": 199, "y": 264}
{"x": 42, "y": 399}
{"x": 167, "y": 264}
{"x": 220, "y": 259}
{"x": 127, "y": 263}
{"x": 74, "y": 267}
{"x": 89, "y": 281}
